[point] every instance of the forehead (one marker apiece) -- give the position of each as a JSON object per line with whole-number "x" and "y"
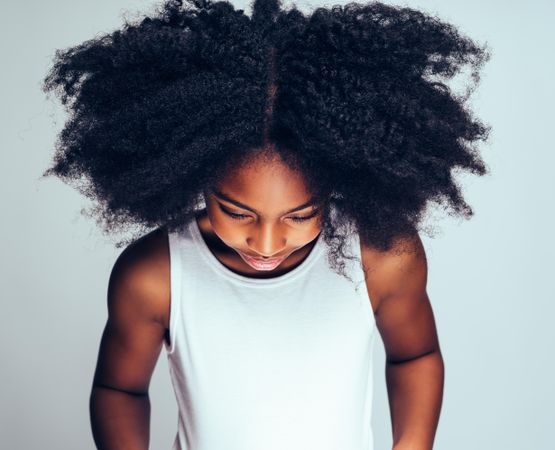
{"x": 270, "y": 187}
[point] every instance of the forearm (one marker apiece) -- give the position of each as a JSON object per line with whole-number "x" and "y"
{"x": 415, "y": 392}
{"x": 119, "y": 420}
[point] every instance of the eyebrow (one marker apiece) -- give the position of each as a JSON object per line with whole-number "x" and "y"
{"x": 242, "y": 205}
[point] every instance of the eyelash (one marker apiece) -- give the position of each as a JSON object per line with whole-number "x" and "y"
{"x": 243, "y": 216}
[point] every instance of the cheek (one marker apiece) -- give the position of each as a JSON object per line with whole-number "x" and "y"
{"x": 223, "y": 227}
{"x": 229, "y": 231}
{"x": 315, "y": 234}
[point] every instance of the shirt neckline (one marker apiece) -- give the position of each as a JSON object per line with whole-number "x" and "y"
{"x": 226, "y": 272}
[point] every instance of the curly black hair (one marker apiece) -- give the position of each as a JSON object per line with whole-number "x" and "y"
{"x": 354, "y": 96}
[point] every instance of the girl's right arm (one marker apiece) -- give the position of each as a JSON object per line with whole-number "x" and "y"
{"x": 130, "y": 346}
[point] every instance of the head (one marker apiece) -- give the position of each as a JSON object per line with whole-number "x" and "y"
{"x": 353, "y": 97}
{"x": 263, "y": 209}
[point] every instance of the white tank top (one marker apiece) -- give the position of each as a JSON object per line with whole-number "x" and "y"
{"x": 281, "y": 363}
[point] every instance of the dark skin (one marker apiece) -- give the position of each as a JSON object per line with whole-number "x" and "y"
{"x": 139, "y": 305}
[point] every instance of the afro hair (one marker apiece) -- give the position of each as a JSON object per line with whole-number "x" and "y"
{"x": 354, "y": 96}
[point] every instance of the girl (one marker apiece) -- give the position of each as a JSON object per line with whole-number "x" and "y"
{"x": 282, "y": 164}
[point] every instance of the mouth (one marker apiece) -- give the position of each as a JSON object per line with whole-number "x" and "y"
{"x": 261, "y": 263}
{"x": 258, "y": 258}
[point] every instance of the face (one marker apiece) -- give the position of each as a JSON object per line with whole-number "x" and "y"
{"x": 264, "y": 212}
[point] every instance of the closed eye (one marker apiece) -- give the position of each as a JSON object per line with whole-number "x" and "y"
{"x": 244, "y": 216}
{"x": 305, "y": 218}
{"x": 234, "y": 215}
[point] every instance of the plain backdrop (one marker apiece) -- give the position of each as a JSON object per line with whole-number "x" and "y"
{"x": 490, "y": 279}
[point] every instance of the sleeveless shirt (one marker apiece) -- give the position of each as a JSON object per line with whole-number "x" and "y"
{"x": 281, "y": 363}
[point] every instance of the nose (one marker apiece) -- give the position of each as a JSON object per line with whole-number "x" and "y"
{"x": 268, "y": 241}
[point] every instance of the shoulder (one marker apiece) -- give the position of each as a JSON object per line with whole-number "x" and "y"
{"x": 401, "y": 270}
{"x": 141, "y": 276}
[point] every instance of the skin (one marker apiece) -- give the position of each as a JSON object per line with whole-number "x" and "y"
{"x": 272, "y": 189}
{"x": 139, "y": 305}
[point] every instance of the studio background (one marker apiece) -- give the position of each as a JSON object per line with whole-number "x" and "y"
{"x": 490, "y": 279}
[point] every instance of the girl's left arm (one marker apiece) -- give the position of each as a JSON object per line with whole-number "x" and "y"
{"x": 396, "y": 282}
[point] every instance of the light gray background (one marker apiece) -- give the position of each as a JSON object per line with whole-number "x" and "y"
{"x": 490, "y": 279}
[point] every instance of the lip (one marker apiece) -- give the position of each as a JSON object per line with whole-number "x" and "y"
{"x": 256, "y": 258}
{"x": 261, "y": 264}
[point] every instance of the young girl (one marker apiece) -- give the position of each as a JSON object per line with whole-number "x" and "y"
{"x": 283, "y": 163}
